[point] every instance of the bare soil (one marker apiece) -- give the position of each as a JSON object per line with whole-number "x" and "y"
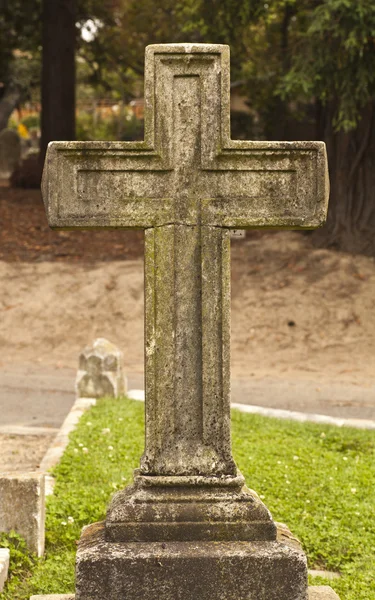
{"x": 26, "y": 237}
{"x": 23, "y": 452}
{"x": 297, "y": 311}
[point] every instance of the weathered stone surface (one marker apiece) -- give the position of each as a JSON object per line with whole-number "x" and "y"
{"x": 187, "y": 570}
{"x": 4, "y": 566}
{"x": 188, "y": 509}
{"x": 237, "y": 184}
{"x": 322, "y": 592}
{"x": 187, "y": 352}
{"x": 100, "y": 371}
{"x": 22, "y": 507}
{"x": 187, "y": 184}
{"x": 10, "y": 152}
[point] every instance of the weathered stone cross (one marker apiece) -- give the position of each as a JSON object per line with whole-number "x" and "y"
{"x": 187, "y": 184}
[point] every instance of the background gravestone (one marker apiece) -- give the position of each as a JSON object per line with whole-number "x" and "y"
{"x": 22, "y": 507}
{"x": 100, "y": 371}
{"x": 10, "y": 152}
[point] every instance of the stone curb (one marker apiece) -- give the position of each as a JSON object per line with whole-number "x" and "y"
{"x": 57, "y": 448}
{"x": 325, "y": 574}
{"x": 4, "y": 566}
{"x": 46, "y": 482}
{"x": 54, "y": 597}
{"x": 279, "y": 413}
{"x": 322, "y": 592}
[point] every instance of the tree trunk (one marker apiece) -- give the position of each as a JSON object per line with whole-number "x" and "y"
{"x": 351, "y": 218}
{"x": 8, "y": 103}
{"x": 58, "y": 72}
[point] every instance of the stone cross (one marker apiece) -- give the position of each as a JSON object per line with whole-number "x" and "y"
{"x": 187, "y": 185}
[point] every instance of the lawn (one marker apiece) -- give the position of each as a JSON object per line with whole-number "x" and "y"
{"x": 319, "y": 480}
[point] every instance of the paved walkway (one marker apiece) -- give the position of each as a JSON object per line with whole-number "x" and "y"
{"x": 41, "y": 397}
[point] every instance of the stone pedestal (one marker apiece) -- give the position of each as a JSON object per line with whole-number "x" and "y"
{"x": 195, "y": 508}
{"x": 187, "y": 570}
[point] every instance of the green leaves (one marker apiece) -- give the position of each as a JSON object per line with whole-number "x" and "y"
{"x": 333, "y": 57}
{"x": 319, "y": 480}
{"x": 21, "y": 561}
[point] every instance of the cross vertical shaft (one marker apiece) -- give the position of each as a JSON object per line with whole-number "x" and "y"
{"x": 187, "y": 352}
{"x": 187, "y": 321}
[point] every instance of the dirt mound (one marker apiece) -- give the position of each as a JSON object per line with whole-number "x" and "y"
{"x": 26, "y": 237}
{"x": 296, "y": 310}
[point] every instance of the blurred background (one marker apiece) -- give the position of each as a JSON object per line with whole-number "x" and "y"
{"x": 301, "y": 70}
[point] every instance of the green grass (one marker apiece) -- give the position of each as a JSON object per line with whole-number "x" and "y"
{"x": 320, "y": 480}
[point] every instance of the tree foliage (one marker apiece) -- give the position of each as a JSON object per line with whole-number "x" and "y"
{"x": 311, "y": 61}
{"x": 114, "y": 59}
{"x": 20, "y": 29}
{"x": 288, "y": 49}
{"x": 20, "y": 50}
{"x": 332, "y": 56}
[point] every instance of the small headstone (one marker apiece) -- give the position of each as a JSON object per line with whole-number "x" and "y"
{"x": 100, "y": 371}
{"x": 28, "y": 172}
{"x": 22, "y": 507}
{"x": 10, "y": 152}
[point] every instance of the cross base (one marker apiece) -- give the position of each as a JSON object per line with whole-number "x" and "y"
{"x": 188, "y": 508}
{"x": 187, "y": 570}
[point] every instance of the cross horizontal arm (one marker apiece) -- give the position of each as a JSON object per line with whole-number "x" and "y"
{"x": 267, "y": 184}
{"x": 127, "y": 185}
{"x": 96, "y": 184}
